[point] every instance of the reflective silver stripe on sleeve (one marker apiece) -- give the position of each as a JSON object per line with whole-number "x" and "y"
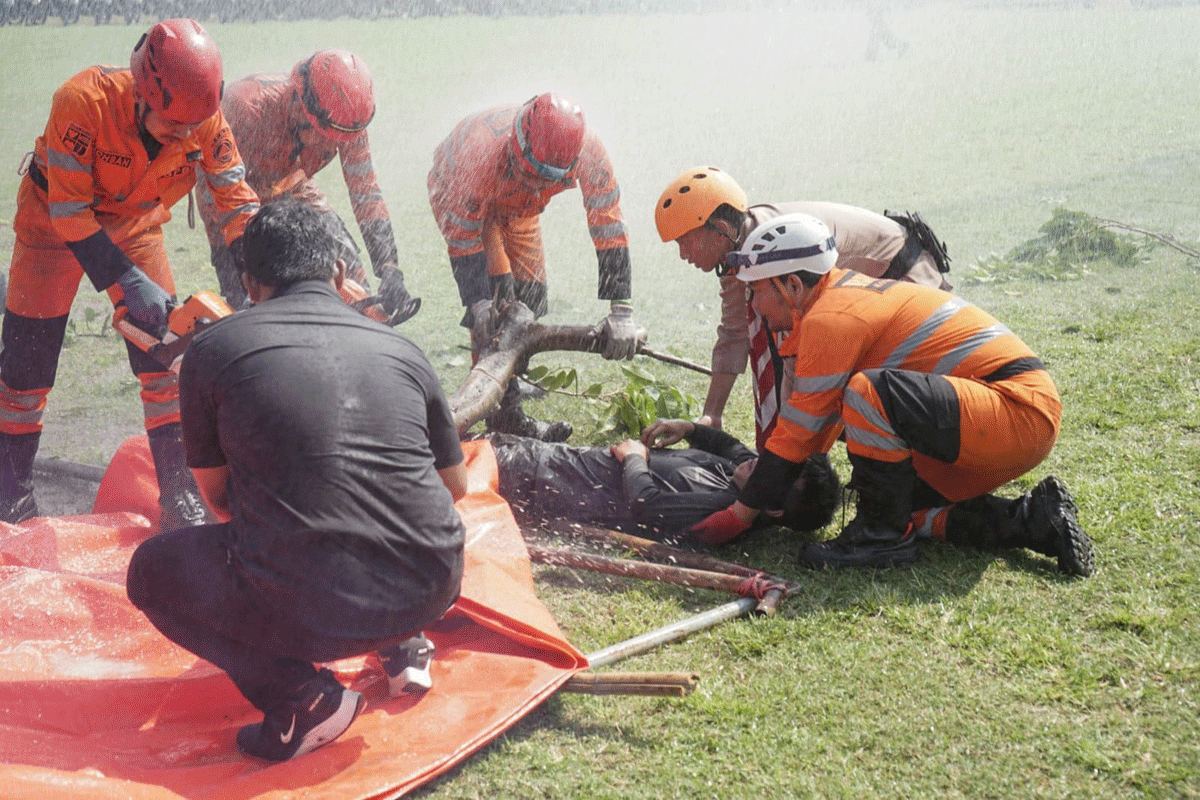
{"x": 463, "y": 244}
{"x": 811, "y": 384}
{"x": 806, "y": 420}
{"x": 606, "y": 200}
{"x": 364, "y": 199}
{"x": 66, "y": 210}
{"x": 228, "y": 177}
{"x": 612, "y": 231}
{"x": 60, "y": 160}
{"x": 918, "y": 337}
{"x": 357, "y": 168}
{"x": 464, "y": 224}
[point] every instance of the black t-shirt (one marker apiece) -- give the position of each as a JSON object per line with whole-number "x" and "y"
{"x": 333, "y": 427}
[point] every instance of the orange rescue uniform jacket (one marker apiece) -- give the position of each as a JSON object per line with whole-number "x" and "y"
{"x": 851, "y": 322}
{"x": 94, "y": 170}
{"x": 258, "y": 108}
{"x": 473, "y": 180}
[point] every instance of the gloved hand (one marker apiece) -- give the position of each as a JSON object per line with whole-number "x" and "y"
{"x": 483, "y": 322}
{"x": 148, "y": 303}
{"x": 397, "y": 302}
{"x": 619, "y": 332}
{"x": 719, "y": 527}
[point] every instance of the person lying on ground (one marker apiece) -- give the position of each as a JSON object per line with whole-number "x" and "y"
{"x": 326, "y": 439}
{"x": 659, "y": 493}
{"x": 940, "y": 404}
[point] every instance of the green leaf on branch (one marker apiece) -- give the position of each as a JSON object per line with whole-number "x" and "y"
{"x": 1065, "y": 248}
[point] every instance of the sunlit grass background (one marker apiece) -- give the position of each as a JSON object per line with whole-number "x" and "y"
{"x": 967, "y": 674}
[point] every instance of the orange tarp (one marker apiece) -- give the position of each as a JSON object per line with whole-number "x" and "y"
{"x": 95, "y": 703}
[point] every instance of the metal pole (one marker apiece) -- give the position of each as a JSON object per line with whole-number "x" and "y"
{"x": 671, "y": 633}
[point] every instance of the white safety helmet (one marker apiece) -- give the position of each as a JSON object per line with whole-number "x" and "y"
{"x": 783, "y": 245}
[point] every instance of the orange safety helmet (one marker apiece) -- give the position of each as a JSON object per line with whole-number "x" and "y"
{"x": 548, "y": 135}
{"x": 177, "y": 70}
{"x": 692, "y": 198}
{"x": 336, "y": 92}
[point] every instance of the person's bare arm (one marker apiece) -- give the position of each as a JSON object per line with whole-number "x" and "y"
{"x": 719, "y": 389}
{"x": 455, "y": 479}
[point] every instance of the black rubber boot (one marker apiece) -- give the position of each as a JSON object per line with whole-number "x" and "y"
{"x": 880, "y": 535}
{"x": 17, "y": 451}
{"x": 1044, "y": 520}
{"x": 178, "y": 497}
{"x": 511, "y": 418}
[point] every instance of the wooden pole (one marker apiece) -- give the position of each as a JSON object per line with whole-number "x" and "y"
{"x": 664, "y": 573}
{"x": 659, "y": 684}
{"x": 687, "y": 558}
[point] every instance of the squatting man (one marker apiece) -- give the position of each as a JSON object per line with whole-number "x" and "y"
{"x": 939, "y": 403}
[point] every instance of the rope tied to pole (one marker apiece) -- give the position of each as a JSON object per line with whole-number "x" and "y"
{"x": 757, "y": 586}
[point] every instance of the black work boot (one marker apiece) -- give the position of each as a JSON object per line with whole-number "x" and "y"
{"x": 1043, "y": 520}
{"x": 880, "y": 535}
{"x": 511, "y": 418}
{"x": 178, "y": 497}
{"x": 17, "y": 451}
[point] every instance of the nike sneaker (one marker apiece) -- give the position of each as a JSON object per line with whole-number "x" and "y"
{"x": 322, "y": 711}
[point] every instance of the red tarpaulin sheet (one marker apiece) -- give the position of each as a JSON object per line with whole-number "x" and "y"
{"x": 95, "y": 703}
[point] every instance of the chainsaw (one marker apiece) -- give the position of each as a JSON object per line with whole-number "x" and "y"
{"x": 183, "y": 323}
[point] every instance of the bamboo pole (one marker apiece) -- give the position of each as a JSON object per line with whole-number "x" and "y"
{"x": 664, "y": 573}
{"x": 646, "y": 547}
{"x": 658, "y": 684}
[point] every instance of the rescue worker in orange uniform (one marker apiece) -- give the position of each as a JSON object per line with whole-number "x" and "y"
{"x": 122, "y": 145}
{"x": 940, "y": 404}
{"x": 707, "y": 214}
{"x": 491, "y": 179}
{"x": 290, "y": 127}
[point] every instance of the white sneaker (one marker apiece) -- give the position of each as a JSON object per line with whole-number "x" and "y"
{"x": 407, "y": 665}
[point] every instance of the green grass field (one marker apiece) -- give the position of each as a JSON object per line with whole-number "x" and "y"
{"x": 967, "y": 674}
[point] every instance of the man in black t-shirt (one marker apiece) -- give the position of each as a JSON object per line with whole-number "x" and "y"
{"x": 328, "y": 441}
{"x": 658, "y": 493}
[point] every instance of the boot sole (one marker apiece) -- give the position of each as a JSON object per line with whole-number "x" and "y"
{"x": 1076, "y": 555}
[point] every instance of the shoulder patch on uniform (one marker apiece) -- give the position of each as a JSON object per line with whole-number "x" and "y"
{"x": 858, "y": 280}
{"x": 77, "y": 139}
{"x": 222, "y": 147}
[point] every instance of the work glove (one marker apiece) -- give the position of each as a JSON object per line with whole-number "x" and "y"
{"x": 718, "y": 528}
{"x": 483, "y": 322}
{"x": 619, "y": 333}
{"x": 148, "y": 303}
{"x": 397, "y": 302}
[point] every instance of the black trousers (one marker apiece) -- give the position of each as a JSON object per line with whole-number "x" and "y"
{"x": 185, "y": 584}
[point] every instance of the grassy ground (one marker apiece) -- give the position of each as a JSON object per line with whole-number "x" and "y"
{"x": 967, "y": 674}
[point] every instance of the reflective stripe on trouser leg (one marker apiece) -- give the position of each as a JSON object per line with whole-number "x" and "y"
{"x": 930, "y": 523}
{"x": 28, "y": 365}
{"x": 21, "y": 412}
{"x": 160, "y": 398}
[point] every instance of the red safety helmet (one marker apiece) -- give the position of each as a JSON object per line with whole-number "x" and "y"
{"x": 547, "y": 136}
{"x": 177, "y": 71}
{"x": 336, "y": 93}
